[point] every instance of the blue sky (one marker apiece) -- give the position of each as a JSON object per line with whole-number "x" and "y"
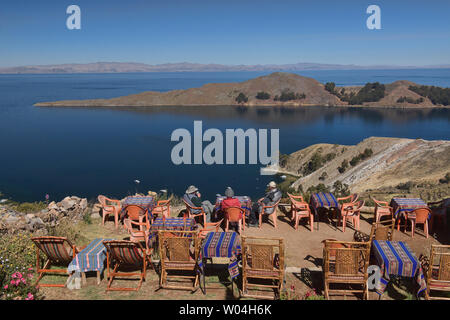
{"x": 225, "y": 31}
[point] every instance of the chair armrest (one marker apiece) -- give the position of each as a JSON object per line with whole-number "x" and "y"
{"x": 344, "y": 198}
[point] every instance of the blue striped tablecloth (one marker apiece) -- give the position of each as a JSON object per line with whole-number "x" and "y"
{"x": 396, "y": 258}
{"x": 91, "y": 258}
{"x": 244, "y": 200}
{"x": 323, "y": 200}
{"x": 222, "y": 245}
{"x": 402, "y": 206}
{"x": 173, "y": 223}
{"x": 146, "y": 202}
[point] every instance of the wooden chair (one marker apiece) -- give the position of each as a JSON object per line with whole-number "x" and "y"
{"x": 122, "y": 253}
{"x": 235, "y": 214}
{"x": 422, "y": 215}
{"x": 382, "y": 209}
{"x": 190, "y": 210}
{"x": 262, "y": 260}
{"x": 209, "y": 227}
{"x": 179, "y": 251}
{"x": 351, "y": 211}
{"x": 346, "y": 263}
{"x": 438, "y": 273}
{"x": 162, "y": 208}
{"x": 59, "y": 251}
{"x": 300, "y": 210}
{"x": 273, "y": 214}
{"x": 110, "y": 207}
{"x": 294, "y": 199}
{"x": 382, "y": 230}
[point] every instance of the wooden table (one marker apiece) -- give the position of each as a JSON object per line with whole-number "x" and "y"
{"x": 396, "y": 258}
{"x": 90, "y": 259}
{"x": 221, "y": 245}
{"x": 324, "y": 200}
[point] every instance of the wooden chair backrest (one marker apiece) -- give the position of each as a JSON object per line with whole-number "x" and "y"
{"x": 233, "y": 214}
{"x": 440, "y": 260}
{"x": 383, "y": 230}
{"x": 175, "y": 246}
{"x": 351, "y": 258}
{"x": 261, "y": 256}
{"x": 134, "y": 212}
{"x": 421, "y": 214}
{"x": 125, "y": 252}
{"x": 57, "y": 249}
{"x": 263, "y": 253}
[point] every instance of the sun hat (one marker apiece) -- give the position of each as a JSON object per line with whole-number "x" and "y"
{"x": 272, "y": 184}
{"x": 191, "y": 189}
{"x": 229, "y": 192}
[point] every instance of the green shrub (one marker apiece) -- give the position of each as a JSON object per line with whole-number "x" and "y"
{"x": 344, "y": 166}
{"x": 66, "y": 228}
{"x": 409, "y": 100}
{"x": 446, "y": 179}
{"x": 340, "y": 189}
{"x": 362, "y": 156}
{"x": 241, "y": 98}
{"x": 437, "y": 95}
{"x": 263, "y": 95}
{"x": 17, "y": 259}
{"x": 29, "y": 207}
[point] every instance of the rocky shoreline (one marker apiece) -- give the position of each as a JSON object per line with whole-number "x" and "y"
{"x": 72, "y": 208}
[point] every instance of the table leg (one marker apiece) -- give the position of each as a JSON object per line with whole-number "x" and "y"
{"x": 98, "y": 277}
{"x": 204, "y": 275}
{"x": 83, "y": 278}
{"x": 316, "y": 216}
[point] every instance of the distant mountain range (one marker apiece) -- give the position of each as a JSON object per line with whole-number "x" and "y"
{"x": 121, "y": 67}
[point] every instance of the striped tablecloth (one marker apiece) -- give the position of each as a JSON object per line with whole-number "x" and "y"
{"x": 222, "y": 245}
{"x": 402, "y": 206}
{"x": 146, "y": 202}
{"x": 91, "y": 258}
{"x": 174, "y": 224}
{"x": 245, "y": 201}
{"x": 323, "y": 200}
{"x": 396, "y": 258}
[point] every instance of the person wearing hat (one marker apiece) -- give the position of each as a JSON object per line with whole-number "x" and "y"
{"x": 270, "y": 198}
{"x": 193, "y": 197}
{"x": 230, "y": 200}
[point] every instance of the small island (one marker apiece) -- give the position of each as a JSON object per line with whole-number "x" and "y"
{"x": 280, "y": 89}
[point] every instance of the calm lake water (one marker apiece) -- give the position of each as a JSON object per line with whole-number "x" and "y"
{"x": 86, "y": 152}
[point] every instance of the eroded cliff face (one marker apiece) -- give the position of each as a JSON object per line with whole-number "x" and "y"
{"x": 392, "y": 161}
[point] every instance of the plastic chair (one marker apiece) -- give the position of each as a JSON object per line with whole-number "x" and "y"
{"x": 235, "y": 214}
{"x": 110, "y": 207}
{"x": 421, "y": 217}
{"x": 351, "y": 211}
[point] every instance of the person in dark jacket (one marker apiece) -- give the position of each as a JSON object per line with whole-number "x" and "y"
{"x": 193, "y": 198}
{"x": 272, "y": 196}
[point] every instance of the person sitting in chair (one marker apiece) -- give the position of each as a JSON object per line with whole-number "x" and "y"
{"x": 229, "y": 201}
{"x": 193, "y": 198}
{"x": 270, "y": 198}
